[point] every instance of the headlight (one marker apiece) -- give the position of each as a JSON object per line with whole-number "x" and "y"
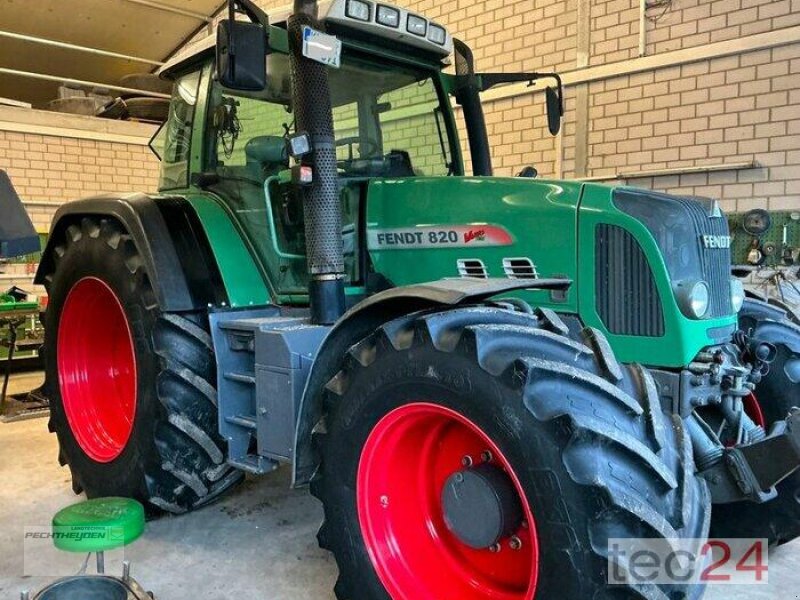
{"x": 437, "y": 34}
{"x": 737, "y": 294}
{"x": 388, "y": 16}
{"x": 693, "y": 297}
{"x": 358, "y": 10}
{"x": 417, "y": 25}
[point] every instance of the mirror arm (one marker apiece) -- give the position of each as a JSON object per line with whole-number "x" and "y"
{"x": 249, "y": 8}
{"x": 490, "y": 80}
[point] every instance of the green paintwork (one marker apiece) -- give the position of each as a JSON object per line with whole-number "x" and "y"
{"x": 545, "y": 219}
{"x": 540, "y": 215}
{"x": 245, "y": 284}
{"x": 684, "y": 337}
{"x": 550, "y": 222}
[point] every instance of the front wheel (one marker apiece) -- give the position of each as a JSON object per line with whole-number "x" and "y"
{"x": 778, "y": 393}
{"x": 483, "y": 454}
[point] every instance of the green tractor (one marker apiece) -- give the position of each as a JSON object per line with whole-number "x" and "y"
{"x": 484, "y": 380}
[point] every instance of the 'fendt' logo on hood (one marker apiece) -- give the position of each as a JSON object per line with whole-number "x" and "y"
{"x": 716, "y": 242}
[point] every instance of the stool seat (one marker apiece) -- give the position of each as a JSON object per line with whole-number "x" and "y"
{"x": 98, "y": 525}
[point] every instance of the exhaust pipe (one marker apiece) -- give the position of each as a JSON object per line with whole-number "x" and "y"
{"x": 323, "y": 215}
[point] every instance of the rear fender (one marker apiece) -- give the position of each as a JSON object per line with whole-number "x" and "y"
{"x": 169, "y": 250}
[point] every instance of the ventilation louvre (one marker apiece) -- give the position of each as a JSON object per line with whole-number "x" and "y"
{"x": 472, "y": 267}
{"x": 627, "y": 298}
{"x": 520, "y": 268}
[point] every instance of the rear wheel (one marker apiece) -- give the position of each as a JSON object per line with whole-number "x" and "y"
{"x": 97, "y": 369}
{"x": 779, "y": 392}
{"x": 132, "y": 388}
{"x": 484, "y": 454}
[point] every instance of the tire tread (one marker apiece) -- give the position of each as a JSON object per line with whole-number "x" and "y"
{"x": 656, "y": 488}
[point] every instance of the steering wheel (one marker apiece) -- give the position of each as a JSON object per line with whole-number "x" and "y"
{"x": 367, "y": 147}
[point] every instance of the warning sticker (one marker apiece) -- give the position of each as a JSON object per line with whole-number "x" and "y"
{"x": 445, "y": 236}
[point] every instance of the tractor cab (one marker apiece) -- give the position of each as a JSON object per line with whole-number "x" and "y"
{"x": 392, "y": 119}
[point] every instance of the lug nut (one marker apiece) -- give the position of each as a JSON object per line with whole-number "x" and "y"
{"x": 486, "y": 456}
{"x": 466, "y": 461}
{"x": 494, "y": 548}
{"x": 515, "y": 543}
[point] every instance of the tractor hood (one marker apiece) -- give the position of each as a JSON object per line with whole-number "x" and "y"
{"x": 424, "y": 229}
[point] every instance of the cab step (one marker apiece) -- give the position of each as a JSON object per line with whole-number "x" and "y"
{"x": 263, "y": 361}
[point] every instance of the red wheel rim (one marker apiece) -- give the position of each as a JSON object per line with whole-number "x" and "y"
{"x": 97, "y": 369}
{"x": 752, "y": 409}
{"x": 404, "y": 465}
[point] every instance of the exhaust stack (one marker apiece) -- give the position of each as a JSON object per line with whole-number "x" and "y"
{"x": 323, "y": 215}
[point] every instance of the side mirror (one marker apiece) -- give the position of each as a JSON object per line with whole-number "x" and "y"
{"x": 242, "y": 53}
{"x": 555, "y": 110}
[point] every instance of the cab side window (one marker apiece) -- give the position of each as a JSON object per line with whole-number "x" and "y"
{"x": 173, "y": 141}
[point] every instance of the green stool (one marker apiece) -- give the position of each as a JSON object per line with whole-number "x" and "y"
{"x": 92, "y": 527}
{"x": 98, "y": 525}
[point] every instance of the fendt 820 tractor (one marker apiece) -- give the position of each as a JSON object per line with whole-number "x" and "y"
{"x": 483, "y": 379}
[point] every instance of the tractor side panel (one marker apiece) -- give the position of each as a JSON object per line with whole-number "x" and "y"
{"x": 680, "y": 338}
{"x": 244, "y": 281}
{"x": 419, "y": 229}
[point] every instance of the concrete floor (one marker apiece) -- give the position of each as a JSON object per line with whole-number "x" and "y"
{"x": 259, "y": 542}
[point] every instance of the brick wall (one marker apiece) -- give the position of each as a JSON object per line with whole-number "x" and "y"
{"x": 68, "y": 158}
{"x": 727, "y": 110}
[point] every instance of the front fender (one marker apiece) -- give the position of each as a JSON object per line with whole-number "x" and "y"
{"x": 364, "y": 318}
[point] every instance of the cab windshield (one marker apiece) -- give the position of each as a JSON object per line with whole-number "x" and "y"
{"x": 388, "y": 123}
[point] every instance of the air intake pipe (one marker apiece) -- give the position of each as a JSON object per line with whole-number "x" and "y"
{"x": 323, "y": 216}
{"x": 468, "y": 97}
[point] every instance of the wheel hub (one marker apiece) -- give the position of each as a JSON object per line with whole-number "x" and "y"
{"x": 481, "y": 506}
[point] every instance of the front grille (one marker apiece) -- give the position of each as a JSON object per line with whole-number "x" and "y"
{"x": 625, "y": 290}
{"x": 714, "y": 263}
{"x": 678, "y": 225}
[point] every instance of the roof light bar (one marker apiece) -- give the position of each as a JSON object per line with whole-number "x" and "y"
{"x": 390, "y": 22}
